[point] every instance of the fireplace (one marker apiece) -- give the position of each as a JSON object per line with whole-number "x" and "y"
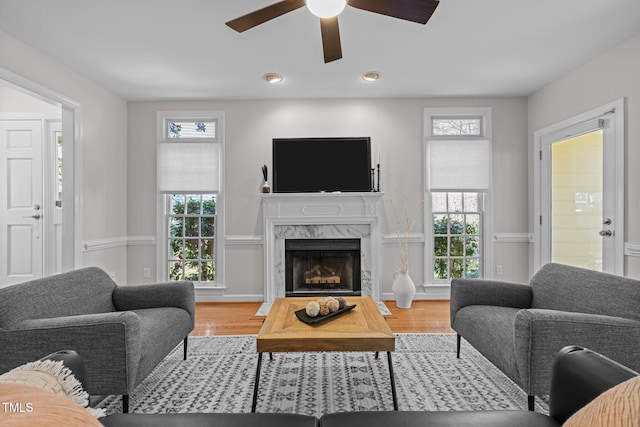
{"x": 298, "y": 216}
{"x": 322, "y": 267}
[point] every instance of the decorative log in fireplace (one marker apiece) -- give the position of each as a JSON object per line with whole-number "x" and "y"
{"x": 321, "y": 274}
{"x": 322, "y": 267}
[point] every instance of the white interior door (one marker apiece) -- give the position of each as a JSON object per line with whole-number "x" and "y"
{"x": 21, "y": 199}
{"x": 580, "y": 194}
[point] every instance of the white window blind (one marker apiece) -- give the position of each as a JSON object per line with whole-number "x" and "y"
{"x": 458, "y": 165}
{"x": 188, "y": 167}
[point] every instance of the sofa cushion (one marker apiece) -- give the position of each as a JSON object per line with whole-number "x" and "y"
{"x": 83, "y": 291}
{"x": 490, "y": 329}
{"x": 565, "y": 288}
{"x": 209, "y": 420}
{"x": 161, "y": 329}
{"x": 616, "y": 407}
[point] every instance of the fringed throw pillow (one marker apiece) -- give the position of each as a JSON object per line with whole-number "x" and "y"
{"x": 50, "y": 377}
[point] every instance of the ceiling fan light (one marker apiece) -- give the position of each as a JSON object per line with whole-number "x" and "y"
{"x": 326, "y": 8}
{"x": 272, "y": 78}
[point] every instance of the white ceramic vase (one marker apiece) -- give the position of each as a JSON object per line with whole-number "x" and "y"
{"x": 266, "y": 188}
{"x": 403, "y": 289}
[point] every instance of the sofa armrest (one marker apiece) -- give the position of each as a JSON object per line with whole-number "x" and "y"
{"x": 127, "y": 319}
{"x": 579, "y": 376}
{"x": 109, "y": 344}
{"x": 466, "y": 292}
{"x": 540, "y": 334}
{"x": 169, "y": 294}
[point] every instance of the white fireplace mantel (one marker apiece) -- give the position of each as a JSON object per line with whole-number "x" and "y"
{"x": 320, "y": 215}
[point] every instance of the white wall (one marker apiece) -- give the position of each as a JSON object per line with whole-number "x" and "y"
{"x": 103, "y": 148}
{"x": 395, "y": 126}
{"x": 14, "y": 101}
{"x": 610, "y": 76}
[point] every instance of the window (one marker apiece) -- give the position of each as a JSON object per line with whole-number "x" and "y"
{"x": 456, "y": 126}
{"x": 189, "y": 181}
{"x": 191, "y": 223}
{"x": 457, "y": 238}
{"x": 191, "y": 129}
{"x": 458, "y": 180}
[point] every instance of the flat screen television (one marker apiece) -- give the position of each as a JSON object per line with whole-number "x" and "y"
{"x": 309, "y": 165}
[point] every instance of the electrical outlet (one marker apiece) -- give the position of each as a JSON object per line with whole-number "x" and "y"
{"x": 499, "y": 270}
{"x": 146, "y": 272}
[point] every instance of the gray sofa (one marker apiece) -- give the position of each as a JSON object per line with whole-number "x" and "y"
{"x": 121, "y": 332}
{"x": 520, "y": 328}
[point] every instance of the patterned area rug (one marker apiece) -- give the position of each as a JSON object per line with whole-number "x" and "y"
{"x": 219, "y": 374}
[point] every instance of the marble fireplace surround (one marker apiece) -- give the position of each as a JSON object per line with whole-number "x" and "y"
{"x": 321, "y": 216}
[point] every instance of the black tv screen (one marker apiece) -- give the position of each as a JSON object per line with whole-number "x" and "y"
{"x": 307, "y": 165}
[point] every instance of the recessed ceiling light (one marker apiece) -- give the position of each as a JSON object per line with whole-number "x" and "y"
{"x": 371, "y": 76}
{"x": 272, "y": 78}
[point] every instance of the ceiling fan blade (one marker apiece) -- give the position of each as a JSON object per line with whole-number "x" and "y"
{"x": 410, "y": 10}
{"x": 330, "y": 39}
{"x": 265, "y": 14}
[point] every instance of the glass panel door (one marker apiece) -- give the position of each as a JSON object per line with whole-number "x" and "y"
{"x": 577, "y": 201}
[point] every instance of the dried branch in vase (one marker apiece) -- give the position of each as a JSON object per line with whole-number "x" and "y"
{"x": 409, "y": 223}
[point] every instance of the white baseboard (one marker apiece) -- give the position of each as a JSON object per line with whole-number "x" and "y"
{"x": 430, "y": 292}
{"x": 217, "y": 295}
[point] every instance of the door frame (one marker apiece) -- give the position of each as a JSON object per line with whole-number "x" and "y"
{"x": 616, "y": 112}
{"x": 72, "y": 166}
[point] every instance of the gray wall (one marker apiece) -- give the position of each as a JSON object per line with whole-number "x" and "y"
{"x": 609, "y": 77}
{"x": 102, "y": 151}
{"x": 395, "y": 126}
{"x": 118, "y": 158}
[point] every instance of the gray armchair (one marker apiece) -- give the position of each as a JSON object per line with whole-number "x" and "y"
{"x": 121, "y": 332}
{"x": 520, "y": 328}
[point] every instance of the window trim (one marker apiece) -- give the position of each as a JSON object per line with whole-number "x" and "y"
{"x": 162, "y": 118}
{"x": 487, "y": 206}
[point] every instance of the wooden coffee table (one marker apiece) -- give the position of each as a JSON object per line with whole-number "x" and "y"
{"x": 360, "y": 329}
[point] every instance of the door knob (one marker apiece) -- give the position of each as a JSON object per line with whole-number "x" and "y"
{"x": 605, "y": 233}
{"x": 36, "y": 216}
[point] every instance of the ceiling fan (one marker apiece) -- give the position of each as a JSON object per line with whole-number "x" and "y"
{"x": 328, "y": 10}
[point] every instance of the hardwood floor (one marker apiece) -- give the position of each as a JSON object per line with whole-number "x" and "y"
{"x": 238, "y": 318}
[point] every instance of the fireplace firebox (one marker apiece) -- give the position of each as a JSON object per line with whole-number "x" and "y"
{"x": 315, "y": 267}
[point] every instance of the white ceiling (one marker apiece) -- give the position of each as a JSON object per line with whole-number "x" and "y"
{"x": 161, "y": 49}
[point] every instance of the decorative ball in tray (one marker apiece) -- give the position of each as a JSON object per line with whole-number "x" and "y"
{"x": 322, "y": 309}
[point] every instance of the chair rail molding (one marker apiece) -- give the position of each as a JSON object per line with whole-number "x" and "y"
{"x": 632, "y": 249}
{"x": 115, "y": 242}
{"x": 513, "y": 237}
